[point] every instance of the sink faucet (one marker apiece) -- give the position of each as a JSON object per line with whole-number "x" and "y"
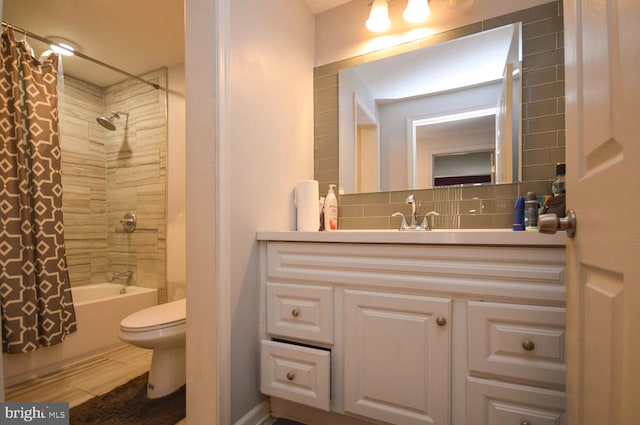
{"x": 411, "y": 200}
{"x": 425, "y": 221}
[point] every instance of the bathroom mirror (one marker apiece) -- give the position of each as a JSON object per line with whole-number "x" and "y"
{"x": 448, "y": 113}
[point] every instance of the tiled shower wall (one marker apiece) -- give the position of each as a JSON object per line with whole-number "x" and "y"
{"x": 462, "y": 207}
{"x": 84, "y": 182}
{"x": 108, "y": 173}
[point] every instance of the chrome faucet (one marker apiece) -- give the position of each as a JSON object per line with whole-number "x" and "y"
{"x": 123, "y": 275}
{"x": 411, "y": 200}
{"x": 425, "y": 220}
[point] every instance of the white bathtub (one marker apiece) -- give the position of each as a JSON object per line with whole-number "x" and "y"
{"x": 99, "y": 310}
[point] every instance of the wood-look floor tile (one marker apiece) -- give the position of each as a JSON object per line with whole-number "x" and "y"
{"x": 80, "y": 382}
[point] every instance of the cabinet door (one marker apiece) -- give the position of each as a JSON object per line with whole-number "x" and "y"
{"x": 397, "y": 357}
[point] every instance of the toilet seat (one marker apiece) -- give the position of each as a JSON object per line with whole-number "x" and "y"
{"x": 160, "y": 316}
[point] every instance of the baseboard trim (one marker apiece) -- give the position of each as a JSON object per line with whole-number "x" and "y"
{"x": 259, "y": 415}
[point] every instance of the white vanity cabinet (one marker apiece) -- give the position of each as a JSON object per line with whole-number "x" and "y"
{"x": 397, "y": 351}
{"x": 388, "y": 333}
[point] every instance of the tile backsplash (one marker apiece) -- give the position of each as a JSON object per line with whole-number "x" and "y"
{"x": 470, "y": 207}
{"x": 543, "y": 129}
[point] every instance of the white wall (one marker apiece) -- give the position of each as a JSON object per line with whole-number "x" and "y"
{"x": 203, "y": 356}
{"x": 176, "y": 197}
{"x": 270, "y": 149}
{"x": 249, "y": 79}
{"x": 341, "y": 34}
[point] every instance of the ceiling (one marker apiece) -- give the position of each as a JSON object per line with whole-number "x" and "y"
{"x": 135, "y": 36}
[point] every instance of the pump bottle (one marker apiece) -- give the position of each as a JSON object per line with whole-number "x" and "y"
{"x": 331, "y": 210}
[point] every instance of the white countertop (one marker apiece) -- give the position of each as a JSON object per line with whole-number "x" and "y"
{"x": 438, "y": 237}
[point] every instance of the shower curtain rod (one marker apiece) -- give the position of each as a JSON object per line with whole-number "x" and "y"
{"x": 79, "y": 54}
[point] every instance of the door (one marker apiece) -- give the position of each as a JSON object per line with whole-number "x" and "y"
{"x": 602, "y": 56}
{"x": 397, "y": 351}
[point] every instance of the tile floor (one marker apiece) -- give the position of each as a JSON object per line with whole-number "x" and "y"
{"x": 81, "y": 381}
{"x": 84, "y": 380}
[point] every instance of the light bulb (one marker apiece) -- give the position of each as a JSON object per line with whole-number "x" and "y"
{"x": 61, "y": 46}
{"x": 417, "y": 11}
{"x": 379, "y": 17}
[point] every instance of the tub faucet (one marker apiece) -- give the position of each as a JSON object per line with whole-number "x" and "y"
{"x": 123, "y": 275}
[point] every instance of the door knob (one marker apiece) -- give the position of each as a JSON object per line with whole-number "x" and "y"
{"x": 550, "y": 223}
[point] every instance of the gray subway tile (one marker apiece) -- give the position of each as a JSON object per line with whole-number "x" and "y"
{"x": 540, "y": 140}
{"x": 538, "y": 76}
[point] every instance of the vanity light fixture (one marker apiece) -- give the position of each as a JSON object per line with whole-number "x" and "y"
{"x": 417, "y": 11}
{"x": 379, "y": 17}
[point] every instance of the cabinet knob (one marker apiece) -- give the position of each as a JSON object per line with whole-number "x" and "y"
{"x": 524, "y": 423}
{"x": 290, "y": 376}
{"x": 441, "y": 321}
{"x": 528, "y": 346}
{"x": 295, "y": 312}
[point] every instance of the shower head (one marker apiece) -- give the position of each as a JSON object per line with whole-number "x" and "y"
{"x": 107, "y": 122}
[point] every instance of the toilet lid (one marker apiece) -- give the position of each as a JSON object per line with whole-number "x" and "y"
{"x": 162, "y": 315}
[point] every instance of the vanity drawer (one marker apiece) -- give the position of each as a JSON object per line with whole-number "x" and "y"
{"x": 303, "y": 312}
{"x": 498, "y": 403}
{"x": 296, "y": 373}
{"x": 520, "y": 341}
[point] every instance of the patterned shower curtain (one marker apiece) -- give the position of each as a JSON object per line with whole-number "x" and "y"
{"x": 35, "y": 295}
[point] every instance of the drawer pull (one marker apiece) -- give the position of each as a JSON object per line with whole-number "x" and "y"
{"x": 295, "y": 312}
{"x": 291, "y": 376}
{"x": 441, "y": 321}
{"x": 524, "y": 423}
{"x": 528, "y": 346}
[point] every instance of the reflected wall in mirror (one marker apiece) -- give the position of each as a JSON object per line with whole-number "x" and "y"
{"x": 397, "y": 114}
{"x": 537, "y": 127}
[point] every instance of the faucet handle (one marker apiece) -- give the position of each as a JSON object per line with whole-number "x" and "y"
{"x": 425, "y": 220}
{"x": 404, "y": 225}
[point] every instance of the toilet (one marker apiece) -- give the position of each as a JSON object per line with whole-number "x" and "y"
{"x": 161, "y": 328}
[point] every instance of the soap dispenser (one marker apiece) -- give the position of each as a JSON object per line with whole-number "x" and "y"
{"x": 331, "y": 210}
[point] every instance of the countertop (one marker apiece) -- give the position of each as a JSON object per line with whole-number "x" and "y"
{"x": 435, "y": 237}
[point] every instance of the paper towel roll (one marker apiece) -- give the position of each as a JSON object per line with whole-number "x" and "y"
{"x": 306, "y": 200}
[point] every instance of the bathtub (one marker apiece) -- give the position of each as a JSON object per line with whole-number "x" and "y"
{"x": 99, "y": 310}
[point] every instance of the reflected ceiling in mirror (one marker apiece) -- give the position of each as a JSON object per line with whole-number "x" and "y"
{"x": 384, "y": 106}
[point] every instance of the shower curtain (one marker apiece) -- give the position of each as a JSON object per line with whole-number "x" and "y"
{"x": 35, "y": 295}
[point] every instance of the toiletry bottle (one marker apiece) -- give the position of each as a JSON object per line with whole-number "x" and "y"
{"x": 556, "y": 204}
{"x": 321, "y": 212}
{"x": 518, "y": 222}
{"x": 557, "y": 187}
{"x": 531, "y": 206}
{"x": 331, "y": 210}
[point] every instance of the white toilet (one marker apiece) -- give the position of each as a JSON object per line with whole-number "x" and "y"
{"x": 160, "y": 328}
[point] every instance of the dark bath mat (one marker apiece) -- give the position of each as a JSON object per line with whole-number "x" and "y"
{"x": 128, "y": 404}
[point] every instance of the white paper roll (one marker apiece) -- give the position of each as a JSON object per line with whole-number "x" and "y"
{"x": 306, "y": 200}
